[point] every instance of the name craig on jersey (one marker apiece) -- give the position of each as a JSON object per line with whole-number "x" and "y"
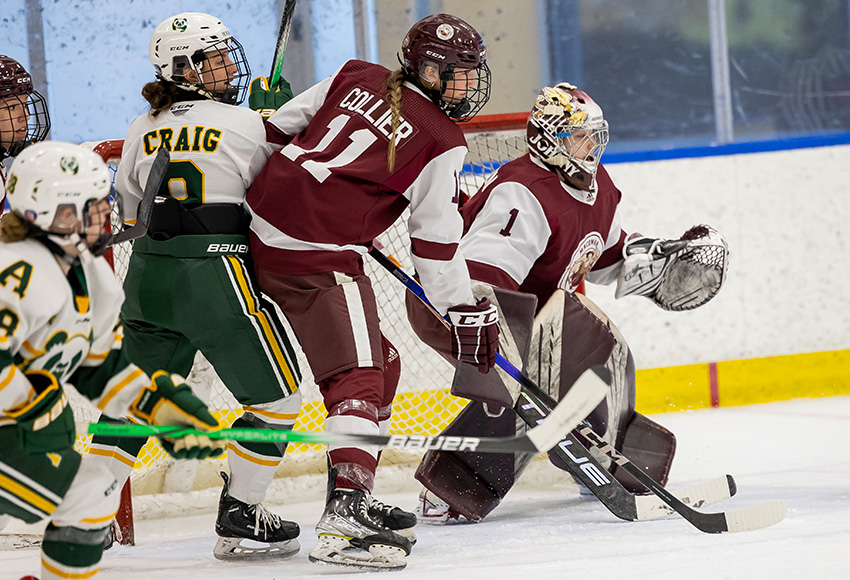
{"x": 189, "y": 139}
{"x": 377, "y": 112}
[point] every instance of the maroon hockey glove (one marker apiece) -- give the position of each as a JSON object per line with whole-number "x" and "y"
{"x": 475, "y": 334}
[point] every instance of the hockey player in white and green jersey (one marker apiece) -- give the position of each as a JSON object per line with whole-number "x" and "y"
{"x": 190, "y": 283}
{"x": 59, "y": 306}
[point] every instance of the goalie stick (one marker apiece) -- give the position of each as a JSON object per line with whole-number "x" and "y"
{"x": 605, "y": 487}
{"x": 588, "y": 392}
{"x": 152, "y": 186}
{"x": 280, "y": 47}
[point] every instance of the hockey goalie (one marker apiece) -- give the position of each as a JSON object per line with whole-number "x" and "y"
{"x": 536, "y": 229}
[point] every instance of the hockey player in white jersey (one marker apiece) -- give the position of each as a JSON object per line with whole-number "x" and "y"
{"x": 59, "y": 305}
{"x": 194, "y": 262}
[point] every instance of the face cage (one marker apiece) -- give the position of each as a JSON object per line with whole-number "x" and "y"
{"x": 38, "y": 124}
{"x": 475, "y": 98}
{"x": 570, "y": 143}
{"x": 237, "y": 91}
{"x": 104, "y": 241}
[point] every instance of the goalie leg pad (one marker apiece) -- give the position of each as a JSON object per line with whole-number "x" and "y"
{"x": 473, "y": 484}
{"x": 649, "y": 446}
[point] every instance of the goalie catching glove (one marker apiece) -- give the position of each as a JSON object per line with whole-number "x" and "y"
{"x": 169, "y": 401}
{"x": 675, "y": 274}
{"x": 475, "y": 334}
{"x": 265, "y": 101}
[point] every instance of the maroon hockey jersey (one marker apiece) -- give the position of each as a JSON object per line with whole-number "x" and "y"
{"x": 327, "y": 193}
{"x": 526, "y": 230}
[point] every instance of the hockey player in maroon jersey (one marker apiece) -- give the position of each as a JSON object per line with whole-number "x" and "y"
{"x": 359, "y": 148}
{"x": 537, "y": 228}
{"x": 23, "y": 114}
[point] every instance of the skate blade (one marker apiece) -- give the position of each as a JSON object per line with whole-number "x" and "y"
{"x": 338, "y": 551}
{"x": 234, "y": 549}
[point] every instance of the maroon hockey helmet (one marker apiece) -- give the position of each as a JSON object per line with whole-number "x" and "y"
{"x": 567, "y": 131}
{"x": 451, "y": 48}
{"x": 23, "y": 111}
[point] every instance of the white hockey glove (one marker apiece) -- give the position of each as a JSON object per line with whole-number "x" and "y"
{"x": 475, "y": 334}
{"x": 678, "y": 274}
{"x": 170, "y": 401}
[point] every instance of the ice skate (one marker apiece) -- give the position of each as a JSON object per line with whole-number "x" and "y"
{"x": 251, "y": 532}
{"x": 393, "y": 518}
{"x": 434, "y": 511}
{"x": 350, "y": 537}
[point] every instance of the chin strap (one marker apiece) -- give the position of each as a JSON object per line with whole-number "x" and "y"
{"x": 54, "y": 243}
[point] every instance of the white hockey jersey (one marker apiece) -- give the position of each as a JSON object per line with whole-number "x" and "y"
{"x": 48, "y": 322}
{"x": 216, "y": 152}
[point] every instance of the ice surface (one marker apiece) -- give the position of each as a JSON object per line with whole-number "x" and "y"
{"x": 795, "y": 451}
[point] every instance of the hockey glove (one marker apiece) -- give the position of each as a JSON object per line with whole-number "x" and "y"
{"x": 675, "y": 274}
{"x": 170, "y": 401}
{"x": 46, "y": 423}
{"x": 475, "y": 334}
{"x": 266, "y": 102}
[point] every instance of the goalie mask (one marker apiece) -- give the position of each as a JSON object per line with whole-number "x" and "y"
{"x": 23, "y": 111}
{"x": 447, "y": 58}
{"x": 197, "y": 52}
{"x": 54, "y": 184}
{"x": 567, "y": 131}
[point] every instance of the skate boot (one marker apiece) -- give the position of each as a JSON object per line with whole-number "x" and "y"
{"x": 434, "y": 511}
{"x": 238, "y": 521}
{"x": 349, "y": 536}
{"x": 393, "y": 518}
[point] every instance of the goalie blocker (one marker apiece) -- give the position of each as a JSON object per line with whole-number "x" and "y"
{"x": 473, "y": 484}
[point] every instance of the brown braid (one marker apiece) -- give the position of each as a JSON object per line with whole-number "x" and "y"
{"x": 394, "y": 83}
{"x": 160, "y": 95}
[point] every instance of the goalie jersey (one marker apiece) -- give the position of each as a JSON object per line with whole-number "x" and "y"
{"x": 526, "y": 230}
{"x": 321, "y": 200}
{"x": 65, "y": 325}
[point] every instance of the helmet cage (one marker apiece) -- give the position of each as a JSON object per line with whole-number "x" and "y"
{"x": 20, "y": 106}
{"x": 477, "y": 94}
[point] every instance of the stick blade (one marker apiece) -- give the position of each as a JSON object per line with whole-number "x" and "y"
{"x": 756, "y": 517}
{"x": 651, "y": 507}
{"x": 143, "y": 215}
{"x": 585, "y": 394}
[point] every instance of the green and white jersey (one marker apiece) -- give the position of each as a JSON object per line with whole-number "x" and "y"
{"x": 216, "y": 152}
{"x": 67, "y": 325}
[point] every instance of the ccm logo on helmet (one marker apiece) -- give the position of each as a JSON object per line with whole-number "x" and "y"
{"x": 435, "y": 55}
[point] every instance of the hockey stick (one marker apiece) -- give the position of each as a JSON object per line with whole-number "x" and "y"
{"x": 621, "y": 502}
{"x": 145, "y": 210}
{"x": 581, "y": 400}
{"x": 280, "y": 47}
{"x": 610, "y": 492}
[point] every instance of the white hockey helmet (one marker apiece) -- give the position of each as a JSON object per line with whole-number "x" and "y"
{"x": 566, "y": 130}
{"x": 184, "y": 41}
{"x": 53, "y": 175}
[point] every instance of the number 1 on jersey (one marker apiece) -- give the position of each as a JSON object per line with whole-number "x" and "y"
{"x": 321, "y": 170}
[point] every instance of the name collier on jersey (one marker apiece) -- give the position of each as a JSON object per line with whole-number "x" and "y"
{"x": 377, "y": 112}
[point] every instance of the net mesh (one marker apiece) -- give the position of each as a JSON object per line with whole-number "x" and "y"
{"x": 423, "y": 404}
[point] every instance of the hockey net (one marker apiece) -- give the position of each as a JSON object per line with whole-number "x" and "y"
{"x": 422, "y": 405}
